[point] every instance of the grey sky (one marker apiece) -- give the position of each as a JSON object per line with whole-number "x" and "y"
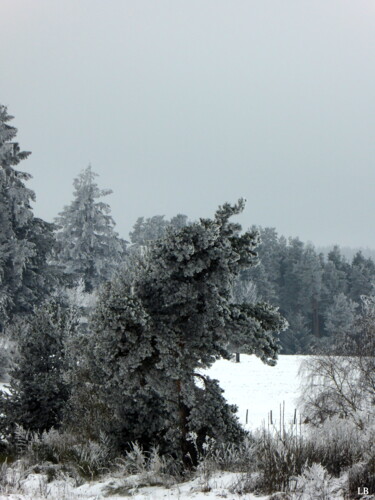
{"x": 181, "y": 105}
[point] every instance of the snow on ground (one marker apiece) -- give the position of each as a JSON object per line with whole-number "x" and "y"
{"x": 260, "y": 388}
{"x": 250, "y": 384}
{"x": 36, "y": 488}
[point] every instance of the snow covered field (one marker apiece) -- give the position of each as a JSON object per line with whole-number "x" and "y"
{"x": 259, "y": 388}
{"x": 250, "y": 385}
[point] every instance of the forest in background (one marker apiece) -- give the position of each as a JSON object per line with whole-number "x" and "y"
{"x": 318, "y": 291}
{"x": 104, "y": 344}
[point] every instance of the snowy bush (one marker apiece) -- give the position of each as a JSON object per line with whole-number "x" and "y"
{"x": 144, "y": 468}
{"x": 236, "y": 457}
{"x": 338, "y": 444}
{"x": 279, "y": 457}
{"x": 362, "y": 475}
{"x": 86, "y": 458}
{"x": 139, "y": 461}
{"x": 342, "y": 382}
{"x": 316, "y": 484}
{"x": 11, "y": 476}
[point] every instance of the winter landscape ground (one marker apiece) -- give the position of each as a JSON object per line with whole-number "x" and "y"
{"x": 250, "y": 384}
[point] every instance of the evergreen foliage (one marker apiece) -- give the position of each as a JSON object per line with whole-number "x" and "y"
{"x": 88, "y": 248}
{"x": 25, "y": 241}
{"x": 340, "y": 317}
{"x": 305, "y": 286}
{"x": 361, "y": 277}
{"x": 154, "y": 330}
{"x": 147, "y": 230}
{"x": 38, "y": 392}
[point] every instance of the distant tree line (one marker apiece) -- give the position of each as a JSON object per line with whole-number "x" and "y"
{"x": 318, "y": 294}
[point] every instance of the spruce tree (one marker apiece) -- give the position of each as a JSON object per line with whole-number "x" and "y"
{"x": 88, "y": 248}
{"x": 154, "y": 332}
{"x": 25, "y": 241}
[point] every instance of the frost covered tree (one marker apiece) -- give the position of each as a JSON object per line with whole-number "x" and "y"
{"x": 341, "y": 383}
{"x": 25, "y": 241}
{"x": 147, "y": 230}
{"x": 297, "y": 338}
{"x": 340, "y": 317}
{"x": 308, "y": 272}
{"x": 87, "y": 245}
{"x": 267, "y": 274}
{"x": 38, "y": 392}
{"x": 361, "y": 277}
{"x": 154, "y": 332}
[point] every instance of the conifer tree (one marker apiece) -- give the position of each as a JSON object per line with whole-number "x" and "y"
{"x": 147, "y": 230}
{"x": 267, "y": 274}
{"x": 25, "y": 241}
{"x": 154, "y": 333}
{"x": 87, "y": 245}
{"x": 340, "y": 318}
{"x": 361, "y": 277}
{"x": 38, "y": 392}
{"x": 297, "y": 338}
{"x": 309, "y": 273}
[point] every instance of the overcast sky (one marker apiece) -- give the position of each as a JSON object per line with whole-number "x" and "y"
{"x": 181, "y": 105}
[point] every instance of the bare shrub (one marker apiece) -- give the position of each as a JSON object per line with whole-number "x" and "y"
{"x": 342, "y": 382}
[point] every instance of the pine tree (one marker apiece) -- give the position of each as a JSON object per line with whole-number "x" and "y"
{"x": 38, "y": 392}
{"x": 334, "y": 282}
{"x": 88, "y": 247}
{"x": 290, "y": 280}
{"x": 25, "y": 241}
{"x": 297, "y": 338}
{"x": 153, "y": 334}
{"x": 340, "y": 318}
{"x": 361, "y": 277}
{"x": 309, "y": 272}
{"x": 267, "y": 275}
{"x": 147, "y": 230}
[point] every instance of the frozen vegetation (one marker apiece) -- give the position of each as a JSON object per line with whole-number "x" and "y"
{"x": 120, "y": 357}
{"x": 247, "y": 384}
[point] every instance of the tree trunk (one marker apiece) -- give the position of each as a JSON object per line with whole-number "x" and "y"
{"x": 237, "y": 357}
{"x": 315, "y": 317}
{"x": 182, "y": 417}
